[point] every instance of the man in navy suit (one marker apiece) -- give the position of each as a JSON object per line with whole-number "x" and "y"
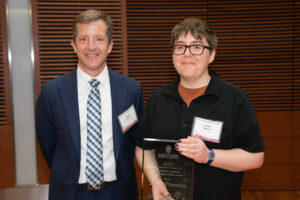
{"x": 61, "y": 118}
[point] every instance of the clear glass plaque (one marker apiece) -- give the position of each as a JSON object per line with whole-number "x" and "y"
{"x": 176, "y": 171}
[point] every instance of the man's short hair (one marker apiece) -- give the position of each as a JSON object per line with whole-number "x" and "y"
{"x": 91, "y": 16}
{"x": 198, "y": 28}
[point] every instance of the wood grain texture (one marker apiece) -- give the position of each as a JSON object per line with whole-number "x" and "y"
{"x": 271, "y": 195}
{"x": 7, "y": 158}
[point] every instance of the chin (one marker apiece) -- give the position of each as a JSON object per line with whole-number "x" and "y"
{"x": 188, "y": 75}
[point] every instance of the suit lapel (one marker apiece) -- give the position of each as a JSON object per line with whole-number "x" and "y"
{"x": 69, "y": 96}
{"x": 118, "y": 97}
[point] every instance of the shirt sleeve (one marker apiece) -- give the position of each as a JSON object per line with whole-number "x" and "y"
{"x": 248, "y": 134}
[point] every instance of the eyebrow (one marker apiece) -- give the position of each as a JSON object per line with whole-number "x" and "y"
{"x": 87, "y": 36}
{"x": 193, "y": 42}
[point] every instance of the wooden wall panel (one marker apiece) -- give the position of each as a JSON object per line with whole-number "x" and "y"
{"x": 7, "y": 160}
{"x": 256, "y": 49}
{"x": 296, "y": 170}
{"x": 282, "y": 154}
{"x": 296, "y": 59}
{"x": 296, "y": 125}
{"x": 276, "y": 124}
{"x": 5, "y": 104}
{"x": 270, "y": 177}
{"x": 278, "y": 151}
{"x": 7, "y": 164}
{"x": 296, "y": 150}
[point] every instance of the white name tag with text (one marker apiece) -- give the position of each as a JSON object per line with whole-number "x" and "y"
{"x": 209, "y": 130}
{"x": 128, "y": 118}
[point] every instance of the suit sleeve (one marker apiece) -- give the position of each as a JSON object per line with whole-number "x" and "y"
{"x": 139, "y": 106}
{"x": 45, "y": 128}
{"x": 140, "y": 102}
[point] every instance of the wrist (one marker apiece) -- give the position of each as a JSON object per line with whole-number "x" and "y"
{"x": 210, "y": 156}
{"x": 155, "y": 181}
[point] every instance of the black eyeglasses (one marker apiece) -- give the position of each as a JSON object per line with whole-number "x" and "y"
{"x": 195, "y": 49}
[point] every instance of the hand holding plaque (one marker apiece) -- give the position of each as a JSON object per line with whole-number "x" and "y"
{"x": 160, "y": 191}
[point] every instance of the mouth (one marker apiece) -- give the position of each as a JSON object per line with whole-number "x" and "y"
{"x": 91, "y": 55}
{"x": 188, "y": 63}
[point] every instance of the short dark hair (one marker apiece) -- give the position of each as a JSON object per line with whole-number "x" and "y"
{"x": 91, "y": 16}
{"x": 198, "y": 28}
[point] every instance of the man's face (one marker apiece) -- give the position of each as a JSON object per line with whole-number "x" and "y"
{"x": 192, "y": 67}
{"x": 92, "y": 47}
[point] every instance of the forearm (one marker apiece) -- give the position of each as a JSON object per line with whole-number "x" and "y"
{"x": 150, "y": 165}
{"x": 237, "y": 160}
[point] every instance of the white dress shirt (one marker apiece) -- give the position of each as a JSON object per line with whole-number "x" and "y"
{"x": 84, "y": 89}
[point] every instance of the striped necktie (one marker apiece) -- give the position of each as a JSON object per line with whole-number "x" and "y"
{"x": 94, "y": 161}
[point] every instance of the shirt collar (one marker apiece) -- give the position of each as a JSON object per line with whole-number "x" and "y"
{"x": 214, "y": 86}
{"x": 103, "y": 77}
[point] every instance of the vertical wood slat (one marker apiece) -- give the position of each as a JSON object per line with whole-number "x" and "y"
{"x": 296, "y": 57}
{"x": 256, "y": 49}
{"x": 5, "y": 105}
{"x": 124, "y": 38}
{"x": 54, "y": 56}
{"x": 7, "y": 164}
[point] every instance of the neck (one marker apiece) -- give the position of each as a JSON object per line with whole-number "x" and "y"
{"x": 92, "y": 73}
{"x": 195, "y": 83}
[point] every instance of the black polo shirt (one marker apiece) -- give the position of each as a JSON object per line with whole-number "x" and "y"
{"x": 166, "y": 116}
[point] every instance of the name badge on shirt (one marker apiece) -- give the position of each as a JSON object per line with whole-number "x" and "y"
{"x": 128, "y": 118}
{"x": 209, "y": 130}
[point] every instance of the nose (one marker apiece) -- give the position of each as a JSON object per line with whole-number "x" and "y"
{"x": 187, "y": 51}
{"x": 91, "y": 45}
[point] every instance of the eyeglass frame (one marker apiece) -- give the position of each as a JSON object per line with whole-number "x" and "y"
{"x": 188, "y": 46}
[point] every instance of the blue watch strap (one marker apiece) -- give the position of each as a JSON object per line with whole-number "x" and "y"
{"x": 211, "y": 156}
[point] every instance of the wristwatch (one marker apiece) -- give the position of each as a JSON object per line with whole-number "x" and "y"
{"x": 211, "y": 156}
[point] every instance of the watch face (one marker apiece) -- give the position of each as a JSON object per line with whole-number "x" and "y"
{"x": 211, "y": 155}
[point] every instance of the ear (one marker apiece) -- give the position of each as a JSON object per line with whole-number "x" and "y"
{"x": 74, "y": 46}
{"x": 111, "y": 44}
{"x": 212, "y": 56}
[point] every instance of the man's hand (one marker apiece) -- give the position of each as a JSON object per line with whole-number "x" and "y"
{"x": 159, "y": 190}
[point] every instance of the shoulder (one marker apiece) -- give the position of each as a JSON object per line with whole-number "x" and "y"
{"x": 56, "y": 82}
{"x": 230, "y": 90}
{"x": 169, "y": 88}
{"x": 164, "y": 93}
{"x": 234, "y": 96}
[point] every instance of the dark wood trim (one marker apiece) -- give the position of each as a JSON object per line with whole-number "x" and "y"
{"x": 124, "y": 38}
{"x": 7, "y": 158}
{"x": 36, "y": 50}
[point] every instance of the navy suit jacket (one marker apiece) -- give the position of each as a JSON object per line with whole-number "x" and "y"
{"x": 58, "y": 132}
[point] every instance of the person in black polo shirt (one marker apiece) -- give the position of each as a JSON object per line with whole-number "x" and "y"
{"x": 213, "y": 120}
